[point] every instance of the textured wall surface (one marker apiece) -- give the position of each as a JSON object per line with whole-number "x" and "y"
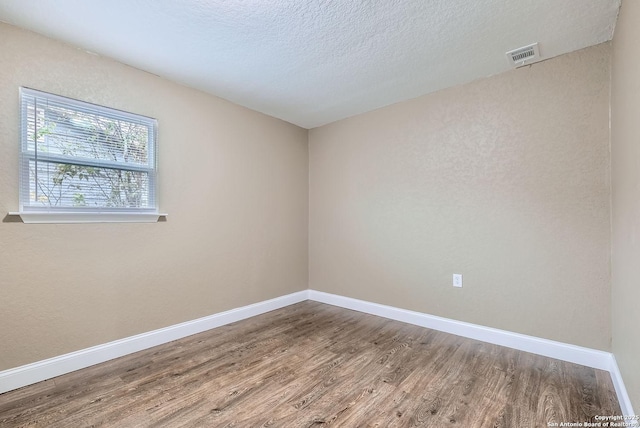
{"x": 625, "y": 176}
{"x": 505, "y": 180}
{"x": 235, "y": 185}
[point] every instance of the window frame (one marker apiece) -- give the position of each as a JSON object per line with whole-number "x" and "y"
{"x": 31, "y": 213}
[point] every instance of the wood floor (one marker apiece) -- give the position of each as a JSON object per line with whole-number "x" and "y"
{"x": 312, "y": 365}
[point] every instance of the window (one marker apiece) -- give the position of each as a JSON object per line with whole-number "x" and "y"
{"x": 82, "y": 161}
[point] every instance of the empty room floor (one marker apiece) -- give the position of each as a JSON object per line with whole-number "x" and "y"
{"x": 312, "y": 364}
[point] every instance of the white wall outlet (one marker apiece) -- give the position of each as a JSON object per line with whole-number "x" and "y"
{"x": 457, "y": 280}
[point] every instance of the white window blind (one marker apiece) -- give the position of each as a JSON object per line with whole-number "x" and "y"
{"x": 83, "y": 158}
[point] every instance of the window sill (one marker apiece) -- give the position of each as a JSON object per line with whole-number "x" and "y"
{"x": 75, "y": 217}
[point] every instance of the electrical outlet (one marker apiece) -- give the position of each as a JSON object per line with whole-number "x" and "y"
{"x": 457, "y": 280}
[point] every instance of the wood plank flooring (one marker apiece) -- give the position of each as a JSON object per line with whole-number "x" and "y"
{"x": 311, "y": 365}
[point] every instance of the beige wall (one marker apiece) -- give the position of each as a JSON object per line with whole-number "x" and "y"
{"x": 235, "y": 185}
{"x": 505, "y": 180}
{"x": 625, "y": 169}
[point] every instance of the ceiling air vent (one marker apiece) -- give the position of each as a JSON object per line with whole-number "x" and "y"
{"x": 524, "y": 55}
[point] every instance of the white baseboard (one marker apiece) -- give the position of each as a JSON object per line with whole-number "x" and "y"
{"x": 562, "y": 351}
{"x": 621, "y": 390}
{"x": 548, "y": 348}
{"x": 46, "y": 369}
{"x": 42, "y": 370}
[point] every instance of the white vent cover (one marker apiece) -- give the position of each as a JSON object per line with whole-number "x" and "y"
{"x": 524, "y": 55}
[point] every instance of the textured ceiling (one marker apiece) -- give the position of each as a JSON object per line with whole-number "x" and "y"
{"x": 311, "y": 62}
